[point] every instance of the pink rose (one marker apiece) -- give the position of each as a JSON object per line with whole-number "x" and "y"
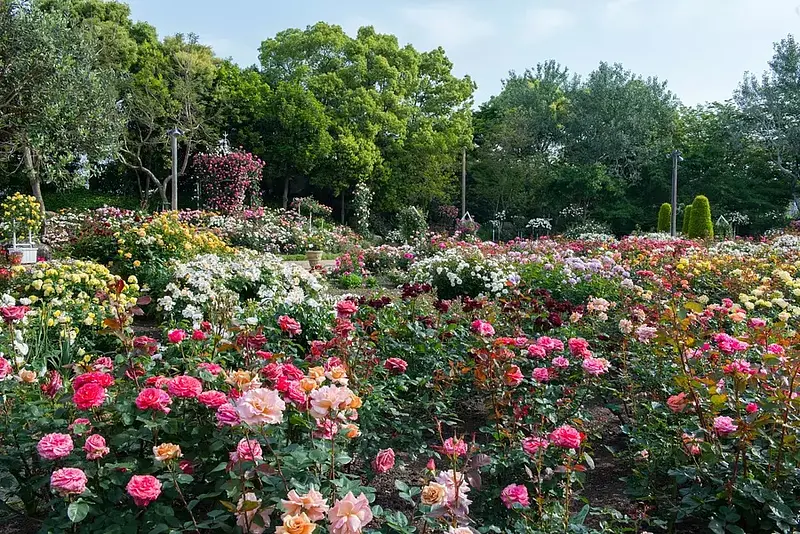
{"x": 346, "y": 308}
{"x": 595, "y": 366}
{"x": 95, "y": 447}
{"x": 724, "y": 425}
{"x": 144, "y": 489}
{"x": 755, "y": 322}
{"x": 227, "y": 415}
{"x": 454, "y": 447}
{"x": 54, "y": 446}
{"x": 212, "y": 368}
{"x": 68, "y": 481}
{"x": 12, "y": 314}
{"x": 104, "y": 380}
{"x": 566, "y": 437}
{"x": 212, "y": 399}
{"x": 515, "y": 494}
{"x": 532, "y": 445}
{"x": 289, "y": 325}
{"x": 185, "y": 386}
{"x": 541, "y": 374}
{"x": 53, "y": 384}
{"x": 751, "y": 407}
{"x": 537, "y": 351}
{"x": 248, "y": 450}
{"x": 550, "y": 344}
{"x": 512, "y": 376}
{"x": 153, "y": 399}
{"x": 384, "y": 461}
{"x": 199, "y": 335}
{"x": 177, "y": 335}
{"x": 774, "y": 348}
{"x": 482, "y": 328}
{"x": 677, "y": 403}
{"x": 261, "y": 406}
{"x": 579, "y": 347}
{"x": 395, "y": 365}
{"x": 560, "y": 362}
{"x": 5, "y": 368}
{"x": 89, "y": 396}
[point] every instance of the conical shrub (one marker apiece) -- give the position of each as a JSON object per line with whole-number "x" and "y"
{"x": 700, "y": 225}
{"x": 687, "y": 216}
{"x": 664, "y": 216}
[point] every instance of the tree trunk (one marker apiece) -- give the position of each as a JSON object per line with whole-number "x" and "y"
{"x": 286, "y": 192}
{"x": 343, "y": 193}
{"x": 33, "y": 177}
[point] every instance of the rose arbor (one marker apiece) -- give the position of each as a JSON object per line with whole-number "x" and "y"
{"x": 226, "y": 178}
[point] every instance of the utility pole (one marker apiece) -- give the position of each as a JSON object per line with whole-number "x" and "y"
{"x": 173, "y": 135}
{"x": 463, "y": 181}
{"x": 676, "y": 157}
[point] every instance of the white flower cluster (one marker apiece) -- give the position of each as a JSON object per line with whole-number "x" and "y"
{"x": 540, "y": 223}
{"x": 465, "y": 267}
{"x": 209, "y": 278}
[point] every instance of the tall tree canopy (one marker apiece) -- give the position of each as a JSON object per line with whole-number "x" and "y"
{"x": 395, "y": 116}
{"x": 58, "y": 112}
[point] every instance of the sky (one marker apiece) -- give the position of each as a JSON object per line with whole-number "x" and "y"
{"x": 702, "y": 48}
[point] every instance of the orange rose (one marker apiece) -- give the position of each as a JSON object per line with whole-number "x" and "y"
{"x": 166, "y": 452}
{"x": 296, "y": 524}
{"x": 355, "y": 403}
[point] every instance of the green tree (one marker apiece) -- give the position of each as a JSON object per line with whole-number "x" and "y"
{"x": 700, "y": 225}
{"x": 665, "y": 217}
{"x": 58, "y": 113}
{"x": 771, "y": 106}
{"x": 396, "y": 117}
{"x": 687, "y": 217}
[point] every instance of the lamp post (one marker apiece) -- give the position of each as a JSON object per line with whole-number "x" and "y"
{"x": 676, "y": 157}
{"x": 173, "y": 136}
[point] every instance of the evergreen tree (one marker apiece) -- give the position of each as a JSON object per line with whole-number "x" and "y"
{"x": 687, "y": 217}
{"x": 664, "y": 217}
{"x": 700, "y": 224}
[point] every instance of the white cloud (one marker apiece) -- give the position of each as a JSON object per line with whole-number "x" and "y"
{"x": 449, "y": 25}
{"x": 542, "y": 23}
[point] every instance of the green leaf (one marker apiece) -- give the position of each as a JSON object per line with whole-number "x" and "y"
{"x": 589, "y": 460}
{"x": 716, "y": 527}
{"x": 400, "y": 485}
{"x": 580, "y": 517}
{"x": 77, "y": 511}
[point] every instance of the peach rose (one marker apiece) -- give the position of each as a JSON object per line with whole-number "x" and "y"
{"x": 166, "y": 452}
{"x": 350, "y": 515}
{"x": 311, "y": 504}
{"x": 317, "y": 374}
{"x": 26, "y": 376}
{"x": 296, "y": 524}
{"x": 434, "y": 494}
{"x": 261, "y": 406}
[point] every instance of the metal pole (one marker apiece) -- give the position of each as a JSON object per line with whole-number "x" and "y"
{"x": 174, "y": 139}
{"x": 673, "y": 227}
{"x": 463, "y": 181}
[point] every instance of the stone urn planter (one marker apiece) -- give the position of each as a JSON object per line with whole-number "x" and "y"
{"x": 314, "y": 258}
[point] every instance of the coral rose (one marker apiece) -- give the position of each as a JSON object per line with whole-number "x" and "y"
{"x": 89, "y": 396}
{"x": 68, "y": 481}
{"x": 153, "y": 399}
{"x": 677, "y": 403}
{"x": 144, "y": 489}
{"x": 54, "y": 446}
{"x": 95, "y": 447}
{"x": 185, "y": 386}
{"x": 212, "y": 398}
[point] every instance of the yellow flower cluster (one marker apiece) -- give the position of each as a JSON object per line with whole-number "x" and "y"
{"x": 23, "y": 211}
{"x": 166, "y": 237}
{"x": 68, "y": 293}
